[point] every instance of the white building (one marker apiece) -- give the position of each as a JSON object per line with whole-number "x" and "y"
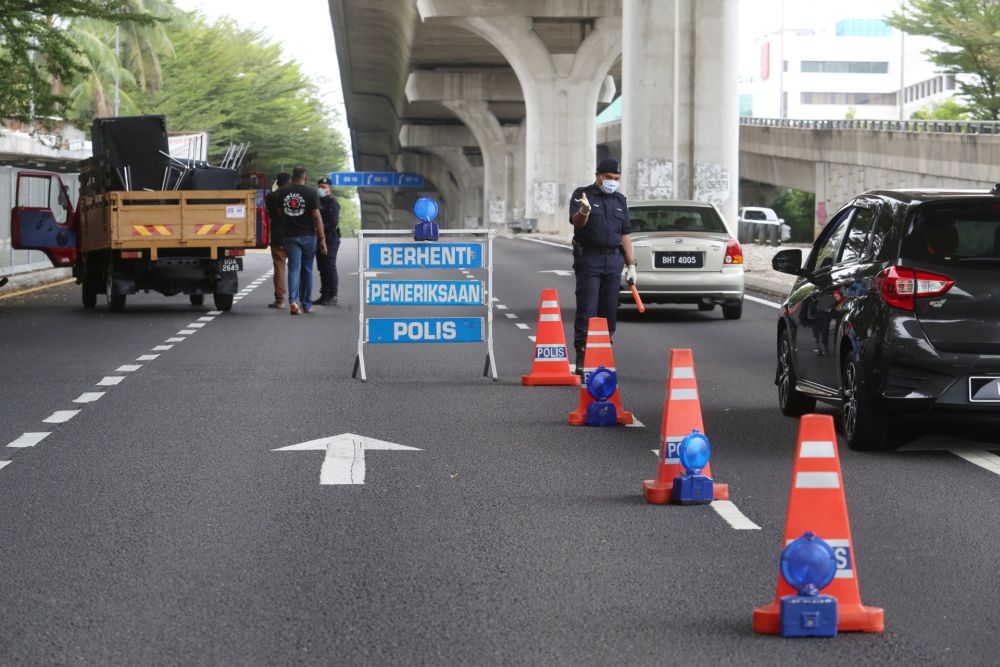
{"x": 817, "y": 62}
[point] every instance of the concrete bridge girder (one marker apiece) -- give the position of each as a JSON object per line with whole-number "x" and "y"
{"x": 561, "y": 91}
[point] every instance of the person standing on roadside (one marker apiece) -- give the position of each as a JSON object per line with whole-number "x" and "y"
{"x": 329, "y": 210}
{"x": 278, "y": 257}
{"x": 302, "y": 225}
{"x": 601, "y": 251}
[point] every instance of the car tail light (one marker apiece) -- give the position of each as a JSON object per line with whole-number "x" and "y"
{"x": 131, "y": 254}
{"x": 900, "y": 286}
{"x": 734, "y": 253}
{"x": 236, "y": 252}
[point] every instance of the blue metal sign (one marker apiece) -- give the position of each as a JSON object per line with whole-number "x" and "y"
{"x": 389, "y": 330}
{"x": 425, "y": 293}
{"x": 425, "y": 256}
{"x": 375, "y": 179}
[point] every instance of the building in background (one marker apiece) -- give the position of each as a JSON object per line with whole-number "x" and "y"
{"x": 840, "y": 62}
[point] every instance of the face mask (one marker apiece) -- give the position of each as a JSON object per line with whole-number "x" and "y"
{"x": 608, "y": 186}
{"x": 323, "y": 192}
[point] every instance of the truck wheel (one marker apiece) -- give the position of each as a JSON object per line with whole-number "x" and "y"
{"x": 197, "y": 299}
{"x": 88, "y": 294}
{"x": 223, "y": 302}
{"x": 116, "y": 302}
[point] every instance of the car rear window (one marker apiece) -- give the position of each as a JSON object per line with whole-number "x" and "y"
{"x": 959, "y": 235}
{"x": 675, "y": 219}
{"x": 754, "y": 215}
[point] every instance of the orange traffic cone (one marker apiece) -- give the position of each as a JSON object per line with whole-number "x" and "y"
{"x": 817, "y": 504}
{"x": 598, "y": 353}
{"x": 681, "y": 414}
{"x": 551, "y": 365}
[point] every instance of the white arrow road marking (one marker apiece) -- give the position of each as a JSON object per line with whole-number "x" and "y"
{"x": 345, "y": 456}
{"x": 559, "y": 272}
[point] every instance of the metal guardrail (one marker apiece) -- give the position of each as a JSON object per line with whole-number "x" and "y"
{"x": 762, "y": 233}
{"x": 944, "y": 126}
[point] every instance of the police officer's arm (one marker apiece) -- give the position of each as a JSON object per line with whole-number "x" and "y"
{"x": 318, "y": 222}
{"x": 627, "y": 249}
{"x": 581, "y": 210}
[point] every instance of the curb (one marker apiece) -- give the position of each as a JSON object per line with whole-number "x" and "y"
{"x": 30, "y": 280}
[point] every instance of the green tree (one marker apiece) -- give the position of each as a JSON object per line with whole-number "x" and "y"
{"x": 250, "y": 93}
{"x": 797, "y": 208}
{"x": 970, "y": 29}
{"x": 949, "y": 109}
{"x": 35, "y": 55}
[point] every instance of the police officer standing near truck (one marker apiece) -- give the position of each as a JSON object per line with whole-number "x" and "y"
{"x": 601, "y": 250}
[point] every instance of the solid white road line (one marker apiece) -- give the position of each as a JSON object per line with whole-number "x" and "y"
{"x": 147, "y": 357}
{"x": 128, "y": 368}
{"x": 29, "y": 439}
{"x": 88, "y": 397}
{"x": 522, "y": 325}
{"x": 763, "y": 302}
{"x": 983, "y": 459}
{"x": 557, "y": 245}
{"x": 110, "y": 380}
{"x": 61, "y": 416}
{"x": 733, "y": 516}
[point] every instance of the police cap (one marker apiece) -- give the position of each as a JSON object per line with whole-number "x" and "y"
{"x": 608, "y": 165}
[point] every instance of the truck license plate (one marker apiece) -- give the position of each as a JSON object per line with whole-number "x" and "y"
{"x": 231, "y": 264}
{"x": 678, "y": 260}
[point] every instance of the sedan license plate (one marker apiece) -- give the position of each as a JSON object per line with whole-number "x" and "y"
{"x": 984, "y": 389}
{"x": 678, "y": 260}
{"x": 231, "y": 264}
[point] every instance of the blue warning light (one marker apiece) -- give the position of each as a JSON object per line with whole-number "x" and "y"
{"x": 808, "y": 564}
{"x": 426, "y": 209}
{"x": 601, "y": 384}
{"x": 694, "y": 452}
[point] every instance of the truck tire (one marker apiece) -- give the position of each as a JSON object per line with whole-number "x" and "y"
{"x": 197, "y": 299}
{"x": 116, "y": 302}
{"x": 223, "y": 302}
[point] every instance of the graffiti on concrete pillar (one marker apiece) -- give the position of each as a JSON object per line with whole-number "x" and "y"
{"x": 498, "y": 210}
{"x": 656, "y": 180}
{"x": 545, "y": 196}
{"x": 711, "y": 182}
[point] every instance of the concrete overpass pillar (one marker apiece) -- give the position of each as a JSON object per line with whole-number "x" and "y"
{"x": 561, "y": 93}
{"x": 680, "y": 114}
{"x": 469, "y": 180}
{"x": 442, "y": 179}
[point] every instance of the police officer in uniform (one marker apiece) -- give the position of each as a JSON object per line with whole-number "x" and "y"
{"x": 601, "y": 250}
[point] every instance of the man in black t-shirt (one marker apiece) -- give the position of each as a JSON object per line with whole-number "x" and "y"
{"x": 298, "y": 212}
{"x": 329, "y": 210}
{"x": 278, "y": 256}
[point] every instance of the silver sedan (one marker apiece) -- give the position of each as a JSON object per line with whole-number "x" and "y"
{"x": 685, "y": 254}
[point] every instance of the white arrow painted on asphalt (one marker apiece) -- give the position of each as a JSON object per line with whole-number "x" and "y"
{"x": 559, "y": 272}
{"x": 345, "y": 456}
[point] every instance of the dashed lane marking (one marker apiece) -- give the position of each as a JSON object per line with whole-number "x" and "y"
{"x": 147, "y": 357}
{"x": 186, "y": 332}
{"x": 205, "y": 319}
{"x": 196, "y": 325}
{"x": 110, "y": 380}
{"x": 128, "y": 368}
{"x": 532, "y": 339}
{"x": 4, "y": 464}
{"x": 88, "y": 397}
{"x": 176, "y": 340}
{"x": 162, "y": 348}
{"x": 61, "y": 416}
{"x": 215, "y": 312}
{"x": 733, "y": 516}
{"x": 635, "y": 421}
{"x": 500, "y": 306}
{"x": 510, "y": 316}
{"x": 29, "y": 439}
{"x": 522, "y": 325}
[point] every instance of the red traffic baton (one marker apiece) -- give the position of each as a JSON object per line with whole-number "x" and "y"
{"x": 635, "y": 296}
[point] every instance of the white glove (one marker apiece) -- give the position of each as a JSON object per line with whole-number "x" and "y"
{"x": 630, "y": 274}
{"x": 584, "y": 204}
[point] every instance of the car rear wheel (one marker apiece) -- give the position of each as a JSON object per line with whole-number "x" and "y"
{"x": 864, "y": 430}
{"x": 792, "y": 403}
{"x": 733, "y": 311}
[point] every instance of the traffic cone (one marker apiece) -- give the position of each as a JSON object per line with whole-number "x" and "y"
{"x": 598, "y": 353}
{"x": 817, "y": 504}
{"x": 551, "y": 365}
{"x": 681, "y": 414}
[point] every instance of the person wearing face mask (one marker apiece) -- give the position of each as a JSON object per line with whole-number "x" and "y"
{"x": 601, "y": 251}
{"x": 329, "y": 210}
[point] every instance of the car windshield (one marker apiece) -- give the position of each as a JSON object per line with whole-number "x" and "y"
{"x": 754, "y": 215}
{"x": 965, "y": 235}
{"x": 675, "y": 219}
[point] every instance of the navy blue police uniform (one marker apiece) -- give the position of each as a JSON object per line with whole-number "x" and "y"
{"x": 598, "y": 258}
{"x": 329, "y": 280}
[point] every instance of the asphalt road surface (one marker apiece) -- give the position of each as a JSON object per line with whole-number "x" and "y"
{"x": 158, "y": 525}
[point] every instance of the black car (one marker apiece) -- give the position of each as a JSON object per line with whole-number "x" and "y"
{"x": 896, "y": 313}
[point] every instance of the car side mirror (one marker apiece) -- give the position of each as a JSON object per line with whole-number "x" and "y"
{"x": 788, "y": 261}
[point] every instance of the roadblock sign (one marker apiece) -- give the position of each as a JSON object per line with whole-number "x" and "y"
{"x": 425, "y": 293}
{"x": 425, "y": 256}
{"x": 424, "y": 330}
